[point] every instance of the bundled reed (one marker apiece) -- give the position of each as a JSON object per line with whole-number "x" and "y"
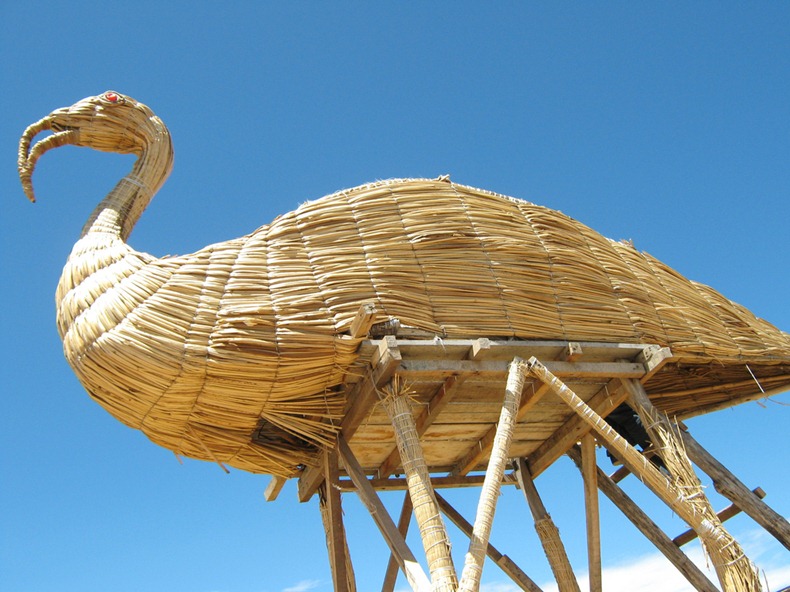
{"x": 238, "y": 352}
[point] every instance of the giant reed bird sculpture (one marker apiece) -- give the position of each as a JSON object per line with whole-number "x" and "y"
{"x": 238, "y": 353}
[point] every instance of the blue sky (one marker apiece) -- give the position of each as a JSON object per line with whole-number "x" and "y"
{"x": 669, "y": 126}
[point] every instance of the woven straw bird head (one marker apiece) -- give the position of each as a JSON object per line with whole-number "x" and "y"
{"x": 109, "y": 122}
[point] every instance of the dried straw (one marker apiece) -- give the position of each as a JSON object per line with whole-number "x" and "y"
{"x": 198, "y": 350}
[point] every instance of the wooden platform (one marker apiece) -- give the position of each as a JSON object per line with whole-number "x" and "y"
{"x": 456, "y": 387}
{"x": 458, "y": 432}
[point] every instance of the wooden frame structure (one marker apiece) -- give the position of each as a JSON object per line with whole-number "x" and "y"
{"x": 425, "y": 414}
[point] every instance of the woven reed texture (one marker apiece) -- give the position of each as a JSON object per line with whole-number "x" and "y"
{"x": 237, "y": 353}
{"x": 433, "y": 532}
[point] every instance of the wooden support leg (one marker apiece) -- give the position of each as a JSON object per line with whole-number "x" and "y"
{"x": 426, "y": 511}
{"x": 734, "y": 570}
{"x": 475, "y": 556}
{"x": 590, "y": 477}
{"x": 504, "y": 562}
{"x": 733, "y": 579}
{"x": 391, "y": 575}
{"x": 648, "y": 528}
{"x": 733, "y": 489}
{"x": 400, "y": 550}
{"x": 547, "y": 532}
{"x": 332, "y": 516}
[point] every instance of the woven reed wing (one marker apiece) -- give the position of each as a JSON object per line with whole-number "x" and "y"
{"x": 237, "y": 353}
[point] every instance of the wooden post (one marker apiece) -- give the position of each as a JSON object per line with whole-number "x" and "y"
{"x": 648, "y": 528}
{"x": 332, "y": 515}
{"x": 735, "y": 571}
{"x": 400, "y": 550}
{"x": 736, "y": 574}
{"x": 733, "y": 489}
{"x": 484, "y": 518}
{"x": 426, "y": 511}
{"x": 590, "y": 478}
{"x": 391, "y": 575}
{"x": 547, "y": 532}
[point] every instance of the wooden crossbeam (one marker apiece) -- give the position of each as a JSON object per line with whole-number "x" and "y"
{"x": 482, "y": 447}
{"x": 733, "y": 489}
{"x": 496, "y": 370}
{"x": 443, "y": 482}
{"x": 603, "y": 403}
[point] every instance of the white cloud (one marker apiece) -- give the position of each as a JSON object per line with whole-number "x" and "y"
{"x": 302, "y": 586}
{"x": 653, "y": 573}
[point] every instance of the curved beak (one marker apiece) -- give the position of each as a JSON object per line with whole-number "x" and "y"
{"x": 28, "y": 156}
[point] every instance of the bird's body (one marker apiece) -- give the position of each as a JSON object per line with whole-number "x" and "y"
{"x": 200, "y": 351}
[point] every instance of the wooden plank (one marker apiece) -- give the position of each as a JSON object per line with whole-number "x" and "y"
{"x": 422, "y": 369}
{"x": 648, "y": 528}
{"x": 397, "y": 544}
{"x": 363, "y": 321}
{"x": 506, "y": 564}
{"x": 362, "y": 398}
{"x": 724, "y": 515}
{"x": 589, "y": 477}
{"x": 733, "y": 489}
{"x": 606, "y": 400}
{"x": 653, "y": 358}
{"x": 274, "y": 488}
{"x": 391, "y": 575}
{"x": 400, "y": 484}
{"x": 482, "y": 448}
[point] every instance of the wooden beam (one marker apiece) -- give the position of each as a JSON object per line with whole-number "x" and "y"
{"x": 337, "y": 545}
{"x": 397, "y": 544}
{"x": 363, "y": 321}
{"x": 391, "y": 575}
{"x": 400, "y": 483}
{"x": 362, "y": 398}
{"x": 482, "y": 447}
{"x": 274, "y": 488}
{"x": 603, "y": 402}
{"x": 504, "y": 562}
{"x": 734, "y": 570}
{"x": 724, "y": 515}
{"x": 547, "y": 532}
{"x": 590, "y": 478}
{"x": 733, "y": 489}
{"x": 648, "y": 528}
{"x": 421, "y": 369}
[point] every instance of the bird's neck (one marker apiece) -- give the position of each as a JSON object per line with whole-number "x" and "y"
{"x": 117, "y": 213}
